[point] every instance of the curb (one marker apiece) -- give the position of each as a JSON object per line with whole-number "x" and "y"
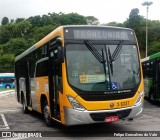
{"x": 7, "y": 93}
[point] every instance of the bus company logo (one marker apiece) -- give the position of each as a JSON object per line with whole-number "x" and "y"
{"x": 6, "y": 135}
{"x": 111, "y": 105}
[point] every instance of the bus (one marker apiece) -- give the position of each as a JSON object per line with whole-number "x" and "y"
{"x": 6, "y": 80}
{"x": 81, "y": 75}
{"x": 151, "y": 73}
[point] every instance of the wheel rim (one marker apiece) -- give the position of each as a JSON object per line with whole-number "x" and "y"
{"x": 46, "y": 113}
{"x": 7, "y": 87}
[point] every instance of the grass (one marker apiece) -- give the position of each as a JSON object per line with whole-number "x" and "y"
{"x": 6, "y": 89}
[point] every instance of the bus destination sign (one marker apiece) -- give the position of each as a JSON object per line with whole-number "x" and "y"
{"x": 99, "y": 34}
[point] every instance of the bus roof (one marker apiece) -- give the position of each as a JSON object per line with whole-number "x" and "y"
{"x": 6, "y": 74}
{"x": 58, "y": 31}
{"x": 151, "y": 57}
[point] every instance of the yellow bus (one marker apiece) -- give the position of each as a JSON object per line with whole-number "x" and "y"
{"x": 82, "y": 75}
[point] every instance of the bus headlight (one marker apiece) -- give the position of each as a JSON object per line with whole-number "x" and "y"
{"x": 75, "y": 104}
{"x": 139, "y": 99}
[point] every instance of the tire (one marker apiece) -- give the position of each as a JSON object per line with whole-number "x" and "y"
{"x": 25, "y": 109}
{"x": 151, "y": 99}
{"x": 7, "y": 86}
{"x": 46, "y": 114}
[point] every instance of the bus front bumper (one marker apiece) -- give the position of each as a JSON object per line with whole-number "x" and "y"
{"x": 76, "y": 117}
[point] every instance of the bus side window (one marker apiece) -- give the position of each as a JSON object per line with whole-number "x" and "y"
{"x": 42, "y": 69}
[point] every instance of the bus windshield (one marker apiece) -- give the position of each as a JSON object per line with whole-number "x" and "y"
{"x": 87, "y": 73}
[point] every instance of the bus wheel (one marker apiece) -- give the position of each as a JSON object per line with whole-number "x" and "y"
{"x": 151, "y": 97}
{"x": 7, "y": 86}
{"x": 25, "y": 109}
{"x": 46, "y": 114}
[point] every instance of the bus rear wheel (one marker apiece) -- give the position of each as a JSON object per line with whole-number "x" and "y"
{"x": 25, "y": 109}
{"x": 7, "y": 86}
{"x": 46, "y": 114}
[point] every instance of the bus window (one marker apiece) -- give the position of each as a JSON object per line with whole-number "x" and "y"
{"x": 40, "y": 71}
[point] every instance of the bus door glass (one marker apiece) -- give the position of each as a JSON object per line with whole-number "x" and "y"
{"x": 54, "y": 81}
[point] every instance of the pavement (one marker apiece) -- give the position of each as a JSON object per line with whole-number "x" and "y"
{"x": 7, "y": 93}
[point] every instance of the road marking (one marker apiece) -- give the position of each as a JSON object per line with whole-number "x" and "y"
{"x": 13, "y": 110}
{"x": 14, "y": 138}
{"x": 6, "y": 126}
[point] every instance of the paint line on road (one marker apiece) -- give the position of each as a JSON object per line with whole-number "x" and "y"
{"x": 14, "y": 138}
{"x": 6, "y": 126}
{"x": 11, "y": 110}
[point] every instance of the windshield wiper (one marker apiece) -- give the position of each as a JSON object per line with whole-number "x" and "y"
{"x": 110, "y": 60}
{"x": 98, "y": 56}
{"x": 93, "y": 50}
{"x": 117, "y": 51}
{"x": 115, "y": 55}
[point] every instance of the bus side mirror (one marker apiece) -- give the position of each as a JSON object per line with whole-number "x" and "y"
{"x": 60, "y": 54}
{"x": 60, "y": 51}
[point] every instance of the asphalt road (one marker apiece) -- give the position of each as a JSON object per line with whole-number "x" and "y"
{"x": 12, "y": 119}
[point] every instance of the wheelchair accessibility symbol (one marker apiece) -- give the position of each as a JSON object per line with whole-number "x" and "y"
{"x": 115, "y": 85}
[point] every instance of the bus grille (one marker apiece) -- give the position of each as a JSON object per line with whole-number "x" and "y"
{"x": 102, "y": 116}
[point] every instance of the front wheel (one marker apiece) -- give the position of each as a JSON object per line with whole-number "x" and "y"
{"x": 46, "y": 114}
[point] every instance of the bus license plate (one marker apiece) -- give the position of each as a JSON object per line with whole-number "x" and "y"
{"x": 111, "y": 119}
{"x": 123, "y": 104}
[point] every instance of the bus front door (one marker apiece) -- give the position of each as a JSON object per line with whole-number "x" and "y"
{"x": 53, "y": 85}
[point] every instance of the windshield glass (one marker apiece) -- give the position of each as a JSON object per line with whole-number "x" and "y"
{"x": 86, "y": 73}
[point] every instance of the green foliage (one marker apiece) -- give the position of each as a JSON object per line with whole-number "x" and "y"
{"x": 114, "y": 24}
{"x": 72, "y": 19}
{"x": 154, "y": 47}
{"x": 91, "y": 20}
{"x": 7, "y": 63}
{"x": 39, "y": 32}
{"x": 15, "y": 46}
{"x": 5, "y": 20}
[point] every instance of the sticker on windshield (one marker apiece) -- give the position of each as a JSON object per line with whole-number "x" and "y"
{"x": 94, "y": 78}
{"x": 114, "y": 85}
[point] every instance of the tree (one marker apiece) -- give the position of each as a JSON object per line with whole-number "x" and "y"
{"x": 16, "y": 46}
{"x": 114, "y": 24}
{"x": 46, "y": 20}
{"x": 7, "y": 63}
{"x": 91, "y": 20}
{"x": 72, "y": 19}
{"x": 154, "y": 47}
{"x": 19, "y": 20}
{"x": 1, "y": 50}
{"x": 134, "y": 19}
{"x": 22, "y": 29}
{"x": 40, "y": 32}
{"x": 35, "y": 21}
{"x": 5, "y": 20}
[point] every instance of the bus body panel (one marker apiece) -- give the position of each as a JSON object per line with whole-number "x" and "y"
{"x": 151, "y": 72}
{"x": 41, "y": 88}
{"x": 75, "y": 117}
